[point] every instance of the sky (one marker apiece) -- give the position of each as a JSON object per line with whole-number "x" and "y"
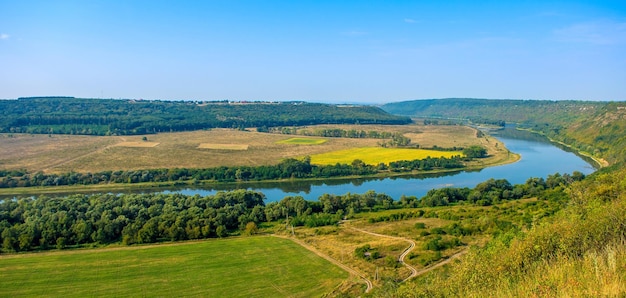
{"x": 322, "y": 51}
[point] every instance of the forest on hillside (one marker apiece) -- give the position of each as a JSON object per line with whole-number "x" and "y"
{"x": 496, "y": 111}
{"x": 593, "y": 128}
{"x": 88, "y": 116}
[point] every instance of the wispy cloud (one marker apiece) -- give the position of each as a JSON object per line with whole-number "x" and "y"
{"x": 4, "y": 36}
{"x": 598, "y": 33}
{"x": 410, "y": 21}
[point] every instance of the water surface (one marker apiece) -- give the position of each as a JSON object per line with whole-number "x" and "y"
{"x": 539, "y": 158}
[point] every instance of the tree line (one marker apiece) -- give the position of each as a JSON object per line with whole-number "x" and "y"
{"x": 44, "y": 223}
{"x": 90, "y": 116}
{"x": 494, "y": 191}
{"x": 286, "y": 169}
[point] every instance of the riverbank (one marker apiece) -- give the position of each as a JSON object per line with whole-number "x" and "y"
{"x": 599, "y": 161}
{"x": 499, "y": 158}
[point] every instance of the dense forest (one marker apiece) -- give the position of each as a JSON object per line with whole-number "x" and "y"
{"x": 88, "y": 116}
{"x": 44, "y": 222}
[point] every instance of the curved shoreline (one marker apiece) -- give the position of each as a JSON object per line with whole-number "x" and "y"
{"x": 601, "y": 162}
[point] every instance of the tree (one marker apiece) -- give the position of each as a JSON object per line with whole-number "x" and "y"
{"x": 251, "y": 229}
{"x": 475, "y": 151}
{"x": 221, "y": 231}
{"x": 149, "y": 232}
{"x": 61, "y": 243}
{"x": 9, "y": 240}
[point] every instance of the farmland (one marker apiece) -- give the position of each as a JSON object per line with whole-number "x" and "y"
{"x": 238, "y": 267}
{"x": 376, "y": 155}
{"x": 302, "y": 141}
{"x": 205, "y": 149}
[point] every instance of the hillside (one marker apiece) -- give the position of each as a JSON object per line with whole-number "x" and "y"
{"x": 593, "y": 128}
{"x": 604, "y": 133}
{"x": 88, "y": 116}
{"x": 577, "y": 252}
{"x": 496, "y": 110}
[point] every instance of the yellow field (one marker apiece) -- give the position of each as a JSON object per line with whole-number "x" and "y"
{"x": 377, "y": 155}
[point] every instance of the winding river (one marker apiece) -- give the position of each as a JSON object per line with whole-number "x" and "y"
{"x": 540, "y": 158}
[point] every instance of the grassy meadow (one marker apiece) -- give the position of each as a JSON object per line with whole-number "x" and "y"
{"x": 238, "y": 267}
{"x": 376, "y": 155}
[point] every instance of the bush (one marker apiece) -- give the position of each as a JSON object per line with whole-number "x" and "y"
{"x": 366, "y": 252}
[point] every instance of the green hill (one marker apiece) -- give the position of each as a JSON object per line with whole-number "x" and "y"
{"x": 594, "y": 128}
{"x": 578, "y": 252}
{"x": 68, "y": 115}
{"x": 496, "y": 110}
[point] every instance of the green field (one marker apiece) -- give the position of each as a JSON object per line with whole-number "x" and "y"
{"x": 376, "y": 155}
{"x": 302, "y": 141}
{"x": 237, "y": 267}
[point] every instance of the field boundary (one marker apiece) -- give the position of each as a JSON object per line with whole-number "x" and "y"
{"x": 352, "y": 271}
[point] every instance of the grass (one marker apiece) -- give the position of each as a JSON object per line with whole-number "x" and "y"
{"x": 376, "y": 155}
{"x": 238, "y": 267}
{"x": 302, "y": 141}
{"x": 223, "y": 146}
{"x": 138, "y": 144}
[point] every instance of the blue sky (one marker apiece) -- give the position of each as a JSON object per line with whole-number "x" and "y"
{"x": 328, "y": 51}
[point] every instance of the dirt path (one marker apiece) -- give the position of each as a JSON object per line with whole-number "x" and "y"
{"x": 414, "y": 272}
{"x": 368, "y": 282}
{"x": 446, "y": 261}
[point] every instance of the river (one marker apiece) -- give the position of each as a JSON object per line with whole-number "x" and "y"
{"x": 539, "y": 158}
